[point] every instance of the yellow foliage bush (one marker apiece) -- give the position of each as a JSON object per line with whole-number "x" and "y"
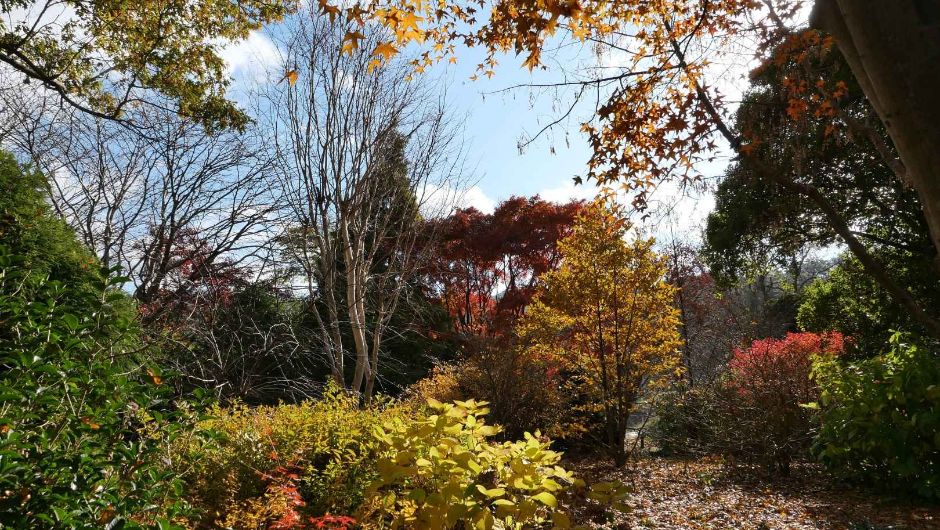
{"x": 442, "y": 384}
{"x": 441, "y": 472}
{"x": 390, "y": 465}
{"x": 525, "y": 392}
{"x": 258, "y": 465}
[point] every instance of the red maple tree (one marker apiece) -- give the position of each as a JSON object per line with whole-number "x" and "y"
{"x": 488, "y": 265}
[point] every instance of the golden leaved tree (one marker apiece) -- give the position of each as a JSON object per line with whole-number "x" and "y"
{"x": 608, "y": 314}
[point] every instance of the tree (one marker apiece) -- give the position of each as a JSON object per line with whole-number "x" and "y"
{"x": 849, "y": 301}
{"x": 138, "y": 200}
{"x": 833, "y": 153}
{"x": 488, "y": 265}
{"x": 30, "y": 231}
{"x": 712, "y": 318}
{"x": 104, "y": 57}
{"x": 608, "y": 312}
{"x": 662, "y": 113}
{"x": 358, "y": 151}
{"x": 887, "y": 45}
{"x": 240, "y": 340}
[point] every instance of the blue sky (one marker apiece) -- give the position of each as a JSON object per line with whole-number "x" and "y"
{"x": 495, "y": 120}
{"x": 494, "y": 124}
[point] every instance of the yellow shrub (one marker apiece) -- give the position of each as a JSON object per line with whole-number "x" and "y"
{"x": 443, "y": 384}
{"x": 260, "y": 463}
{"x": 525, "y": 392}
{"x": 440, "y": 472}
{"x": 390, "y": 465}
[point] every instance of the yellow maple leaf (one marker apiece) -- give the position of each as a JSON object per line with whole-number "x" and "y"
{"x": 411, "y": 35}
{"x": 385, "y": 49}
{"x": 532, "y": 60}
{"x": 351, "y": 41}
{"x": 409, "y": 20}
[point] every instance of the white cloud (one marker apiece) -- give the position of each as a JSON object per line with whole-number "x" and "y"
{"x": 476, "y": 198}
{"x": 439, "y": 201}
{"x": 569, "y": 191}
{"x": 254, "y": 57}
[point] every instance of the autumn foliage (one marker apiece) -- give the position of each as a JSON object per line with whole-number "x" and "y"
{"x": 607, "y": 314}
{"x": 781, "y": 367}
{"x": 661, "y": 114}
{"x": 768, "y": 390}
{"x": 760, "y": 411}
{"x": 488, "y": 265}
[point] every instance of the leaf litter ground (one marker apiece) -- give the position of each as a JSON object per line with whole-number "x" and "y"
{"x": 706, "y": 493}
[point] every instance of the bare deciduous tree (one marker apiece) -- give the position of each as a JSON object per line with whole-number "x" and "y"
{"x": 134, "y": 199}
{"x": 362, "y": 152}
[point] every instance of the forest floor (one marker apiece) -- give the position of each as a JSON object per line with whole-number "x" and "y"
{"x": 699, "y": 494}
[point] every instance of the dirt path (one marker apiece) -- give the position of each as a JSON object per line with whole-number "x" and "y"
{"x": 704, "y": 494}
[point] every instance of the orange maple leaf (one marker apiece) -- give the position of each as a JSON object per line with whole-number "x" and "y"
{"x": 351, "y": 41}
{"x": 386, "y": 50}
{"x": 291, "y": 77}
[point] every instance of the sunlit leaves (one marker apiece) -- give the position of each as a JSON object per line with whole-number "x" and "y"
{"x": 489, "y": 264}
{"x": 386, "y": 50}
{"x": 441, "y": 470}
{"x": 663, "y": 117}
{"x": 291, "y": 77}
{"x": 110, "y": 50}
{"x": 351, "y": 41}
{"x": 607, "y": 313}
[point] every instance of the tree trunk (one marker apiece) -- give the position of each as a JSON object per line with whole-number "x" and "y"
{"x": 620, "y": 442}
{"x": 374, "y": 357}
{"x": 355, "y": 304}
{"x": 893, "y": 49}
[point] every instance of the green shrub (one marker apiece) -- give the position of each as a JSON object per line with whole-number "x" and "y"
{"x": 881, "y": 417}
{"x": 82, "y": 421}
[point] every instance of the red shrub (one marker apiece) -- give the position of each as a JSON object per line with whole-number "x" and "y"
{"x": 284, "y": 495}
{"x": 779, "y": 368}
{"x": 768, "y": 383}
{"x": 333, "y": 522}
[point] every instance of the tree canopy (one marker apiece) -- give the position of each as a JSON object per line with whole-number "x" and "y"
{"x": 103, "y": 56}
{"x": 608, "y": 312}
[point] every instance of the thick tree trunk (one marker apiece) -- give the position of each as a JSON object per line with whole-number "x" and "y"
{"x": 893, "y": 48}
